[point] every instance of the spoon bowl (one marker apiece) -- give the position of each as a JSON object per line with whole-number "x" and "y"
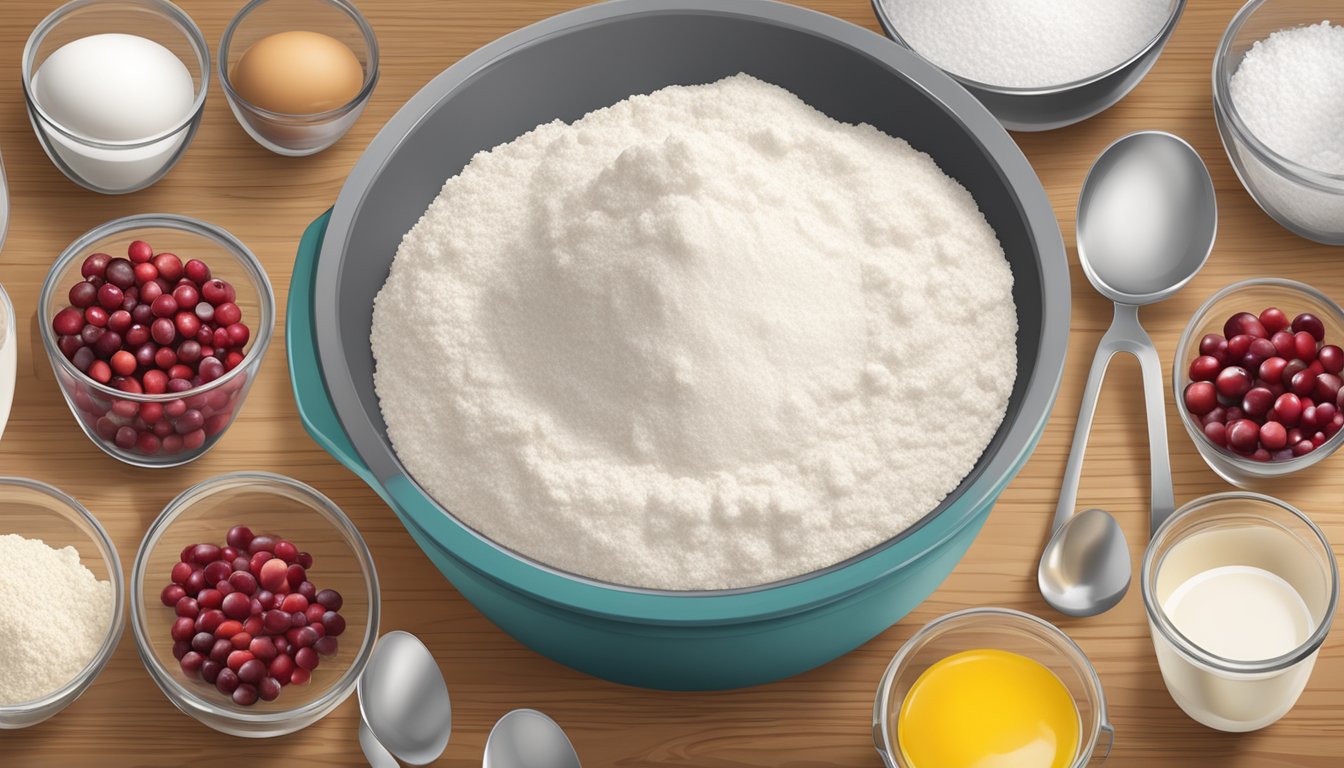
{"x": 1147, "y": 217}
{"x": 526, "y": 738}
{"x": 403, "y": 703}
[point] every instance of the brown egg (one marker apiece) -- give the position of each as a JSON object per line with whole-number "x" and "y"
{"x": 298, "y": 73}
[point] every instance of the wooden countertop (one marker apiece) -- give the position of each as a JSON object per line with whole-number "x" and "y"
{"x": 819, "y": 718}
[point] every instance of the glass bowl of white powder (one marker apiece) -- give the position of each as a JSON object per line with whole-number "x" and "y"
{"x": 1036, "y": 64}
{"x": 50, "y": 653}
{"x": 1278, "y": 97}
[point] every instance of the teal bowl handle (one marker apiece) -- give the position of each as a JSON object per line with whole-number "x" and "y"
{"x": 305, "y": 370}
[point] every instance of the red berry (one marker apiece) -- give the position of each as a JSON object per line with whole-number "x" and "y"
{"x": 1309, "y": 324}
{"x": 139, "y": 251}
{"x": 1273, "y": 319}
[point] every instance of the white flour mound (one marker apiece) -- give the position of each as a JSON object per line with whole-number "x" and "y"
{"x": 54, "y": 614}
{"x": 704, "y": 338}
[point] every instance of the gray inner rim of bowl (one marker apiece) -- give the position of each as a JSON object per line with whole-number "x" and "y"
{"x": 562, "y": 68}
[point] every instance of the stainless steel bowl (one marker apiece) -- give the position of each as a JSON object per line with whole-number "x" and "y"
{"x": 1049, "y": 107}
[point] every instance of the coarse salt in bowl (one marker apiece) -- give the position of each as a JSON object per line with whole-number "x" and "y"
{"x": 35, "y": 510}
{"x": 268, "y": 504}
{"x": 1297, "y": 49}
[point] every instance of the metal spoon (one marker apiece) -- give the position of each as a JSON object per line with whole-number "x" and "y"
{"x": 526, "y": 738}
{"x": 403, "y": 704}
{"x": 1147, "y": 217}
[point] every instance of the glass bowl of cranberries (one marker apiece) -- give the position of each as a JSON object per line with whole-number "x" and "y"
{"x": 1258, "y": 379}
{"x": 254, "y": 604}
{"x": 155, "y": 326}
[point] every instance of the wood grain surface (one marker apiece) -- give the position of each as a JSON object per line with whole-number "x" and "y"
{"x": 819, "y": 718}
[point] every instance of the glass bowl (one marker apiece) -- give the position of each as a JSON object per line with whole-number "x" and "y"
{"x": 1252, "y": 296}
{"x": 992, "y": 628}
{"x": 1306, "y": 201}
{"x": 117, "y": 167}
{"x": 1045, "y": 108}
{"x": 1238, "y": 529}
{"x": 9, "y": 357}
{"x": 37, "y": 511}
{"x": 269, "y": 504}
{"x": 296, "y": 135}
{"x": 185, "y": 424}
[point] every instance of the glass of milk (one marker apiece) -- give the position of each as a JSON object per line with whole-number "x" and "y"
{"x": 1240, "y": 589}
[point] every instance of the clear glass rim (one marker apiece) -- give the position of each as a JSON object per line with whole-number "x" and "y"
{"x": 1177, "y": 8}
{"x": 882, "y": 706}
{"x": 165, "y": 9}
{"x": 370, "y": 74}
{"x": 68, "y": 692}
{"x": 1224, "y": 103}
{"x": 188, "y": 699}
{"x": 1159, "y": 618}
{"x": 221, "y": 237}
{"x": 7, "y": 312}
{"x": 1178, "y": 380}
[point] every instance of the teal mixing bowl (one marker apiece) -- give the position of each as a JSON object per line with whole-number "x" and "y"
{"x": 563, "y": 68}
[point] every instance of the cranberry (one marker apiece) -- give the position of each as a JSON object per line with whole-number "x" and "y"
{"x": 281, "y": 668}
{"x": 1238, "y": 346}
{"x": 145, "y": 274}
{"x": 334, "y": 623}
{"x": 305, "y": 559}
{"x": 273, "y": 574}
{"x": 1214, "y": 346}
{"x": 1205, "y": 368}
{"x": 262, "y": 543}
{"x": 300, "y": 676}
{"x": 268, "y": 689}
{"x": 244, "y": 582}
{"x": 1283, "y": 344}
{"x": 210, "y": 620}
{"x": 1273, "y": 319}
{"x": 326, "y": 646}
{"x": 171, "y": 594}
{"x": 294, "y": 603}
{"x": 1327, "y": 387}
{"x": 307, "y": 590}
{"x": 236, "y": 605}
{"x": 1273, "y": 436}
{"x": 1310, "y": 324}
{"x": 228, "y": 681}
{"x": 183, "y": 628}
{"x": 68, "y": 322}
{"x": 1243, "y": 435}
{"x": 210, "y": 369}
{"x": 1271, "y": 371}
{"x": 187, "y": 607}
{"x": 169, "y": 266}
{"x": 216, "y": 292}
{"x": 1303, "y": 383}
{"x": 1244, "y": 323}
{"x": 229, "y": 627}
{"x": 263, "y": 648}
{"x": 253, "y": 626}
{"x": 94, "y": 265}
{"x": 295, "y": 575}
{"x": 1233, "y": 381}
{"x": 196, "y": 271}
{"x": 1215, "y": 431}
{"x": 1303, "y": 447}
{"x": 120, "y": 273}
{"x": 139, "y": 251}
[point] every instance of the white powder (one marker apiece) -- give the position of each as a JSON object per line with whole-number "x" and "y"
{"x": 703, "y": 338}
{"x": 1028, "y": 43}
{"x": 1289, "y": 90}
{"x": 54, "y": 615}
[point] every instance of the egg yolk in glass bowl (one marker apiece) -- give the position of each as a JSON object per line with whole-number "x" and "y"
{"x": 988, "y": 709}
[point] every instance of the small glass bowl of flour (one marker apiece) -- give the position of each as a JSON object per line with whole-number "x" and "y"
{"x": 1036, "y": 64}
{"x": 62, "y": 601}
{"x": 1278, "y": 97}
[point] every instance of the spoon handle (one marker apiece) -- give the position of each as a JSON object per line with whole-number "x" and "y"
{"x": 1159, "y": 460}
{"x": 1073, "y": 471}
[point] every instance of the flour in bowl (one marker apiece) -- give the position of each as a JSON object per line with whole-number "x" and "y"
{"x": 704, "y": 338}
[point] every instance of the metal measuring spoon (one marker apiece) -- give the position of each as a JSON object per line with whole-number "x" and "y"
{"x": 405, "y": 713}
{"x": 526, "y": 738}
{"x": 1147, "y": 217}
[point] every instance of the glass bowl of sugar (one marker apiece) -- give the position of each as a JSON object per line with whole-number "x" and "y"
{"x": 52, "y": 651}
{"x": 1036, "y": 64}
{"x": 1278, "y": 102}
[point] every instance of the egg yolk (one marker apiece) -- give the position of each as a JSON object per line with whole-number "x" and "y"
{"x": 988, "y": 709}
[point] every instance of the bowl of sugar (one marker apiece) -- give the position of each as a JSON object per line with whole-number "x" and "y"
{"x": 1278, "y": 97}
{"x": 1036, "y": 64}
{"x": 115, "y": 90}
